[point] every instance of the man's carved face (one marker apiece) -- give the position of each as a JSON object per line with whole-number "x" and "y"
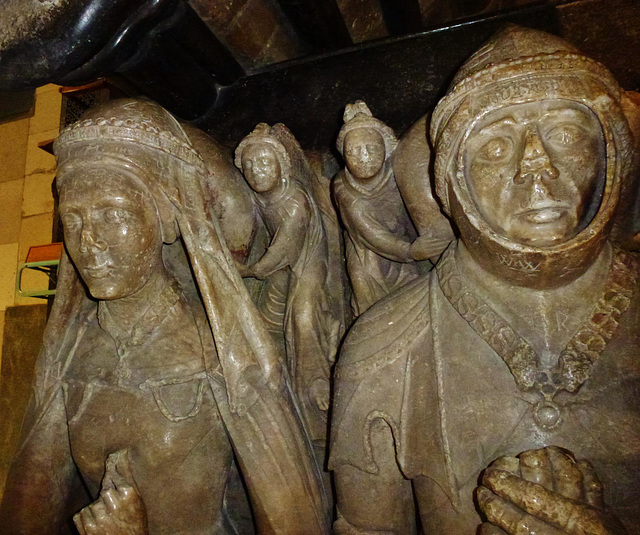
{"x": 535, "y": 170}
{"x": 111, "y": 230}
{"x": 364, "y": 153}
{"x": 261, "y": 167}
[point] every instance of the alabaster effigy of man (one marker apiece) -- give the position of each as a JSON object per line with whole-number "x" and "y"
{"x": 501, "y": 389}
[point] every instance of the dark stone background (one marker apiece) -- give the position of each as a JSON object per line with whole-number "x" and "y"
{"x": 23, "y": 329}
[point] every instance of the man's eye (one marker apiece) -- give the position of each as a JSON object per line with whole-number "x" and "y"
{"x": 565, "y": 134}
{"x": 115, "y": 215}
{"x": 71, "y": 221}
{"x": 496, "y": 149}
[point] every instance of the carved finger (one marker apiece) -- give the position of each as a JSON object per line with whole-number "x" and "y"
{"x": 125, "y": 492}
{"x": 442, "y": 244}
{"x": 124, "y": 468}
{"x": 109, "y": 473}
{"x": 322, "y": 402}
{"x": 572, "y": 517}
{"x": 511, "y": 519}
{"x": 99, "y": 510}
{"x": 77, "y": 520}
{"x": 425, "y": 247}
{"x": 111, "y": 499}
{"x": 118, "y": 471}
{"x": 489, "y": 529}
{"x": 85, "y": 522}
{"x": 591, "y": 485}
{"x": 509, "y": 464}
{"x": 535, "y": 466}
{"x": 567, "y": 477}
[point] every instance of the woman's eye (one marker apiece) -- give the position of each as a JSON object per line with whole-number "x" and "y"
{"x": 115, "y": 215}
{"x": 71, "y": 221}
{"x": 496, "y": 149}
{"x": 565, "y": 134}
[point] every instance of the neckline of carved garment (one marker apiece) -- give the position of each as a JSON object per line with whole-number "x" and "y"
{"x": 576, "y": 361}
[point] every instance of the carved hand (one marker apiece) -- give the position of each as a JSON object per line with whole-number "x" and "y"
{"x": 243, "y": 269}
{"x": 425, "y": 247}
{"x": 319, "y": 393}
{"x": 544, "y": 492}
{"x": 119, "y": 510}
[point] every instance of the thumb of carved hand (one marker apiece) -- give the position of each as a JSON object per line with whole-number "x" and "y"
{"x": 118, "y": 472}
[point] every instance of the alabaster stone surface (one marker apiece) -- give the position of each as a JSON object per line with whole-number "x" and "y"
{"x": 19, "y": 354}
{"x": 382, "y": 249}
{"x": 501, "y": 389}
{"x": 159, "y": 382}
{"x": 185, "y": 384}
{"x": 301, "y": 299}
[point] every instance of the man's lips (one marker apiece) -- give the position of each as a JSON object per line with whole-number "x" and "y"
{"x": 544, "y": 215}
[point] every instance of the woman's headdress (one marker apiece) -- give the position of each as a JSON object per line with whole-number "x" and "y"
{"x": 138, "y": 135}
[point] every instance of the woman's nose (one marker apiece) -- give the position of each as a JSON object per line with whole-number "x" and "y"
{"x": 88, "y": 240}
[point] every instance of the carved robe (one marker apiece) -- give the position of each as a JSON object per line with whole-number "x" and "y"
{"x": 153, "y": 380}
{"x": 414, "y": 362}
{"x": 297, "y": 261}
{"x": 379, "y": 233}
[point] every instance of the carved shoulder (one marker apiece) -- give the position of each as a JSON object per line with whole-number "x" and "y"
{"x": 380, "y": 330}
{"x": 369, "y": 380}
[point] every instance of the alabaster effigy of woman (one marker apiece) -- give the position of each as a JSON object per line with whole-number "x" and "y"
{"x": 295, "y": 268}
{"x": 380, "y": 239}
{"x": 501, "y": 389}
{"x": 157, "y": 369}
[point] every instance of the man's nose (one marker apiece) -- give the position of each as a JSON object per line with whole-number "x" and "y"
{"x": 535, "y": 164}
{"x": 89, "y": 240}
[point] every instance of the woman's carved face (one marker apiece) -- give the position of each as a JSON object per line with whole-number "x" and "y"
{"x": 261, "y": 167}
{"x": 364, "y": 153}
{"x": 112, "y": 231}
{"x": 534, "y": 170}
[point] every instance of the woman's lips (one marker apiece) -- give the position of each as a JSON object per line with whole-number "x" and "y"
{"x": 97, "y": 272}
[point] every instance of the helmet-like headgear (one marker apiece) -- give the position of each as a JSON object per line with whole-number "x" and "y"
{"x": 519, "y": 66}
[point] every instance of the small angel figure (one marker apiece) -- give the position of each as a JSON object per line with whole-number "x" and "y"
{"x": 277, "y": 170}
{"x": 381, "y": 241}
